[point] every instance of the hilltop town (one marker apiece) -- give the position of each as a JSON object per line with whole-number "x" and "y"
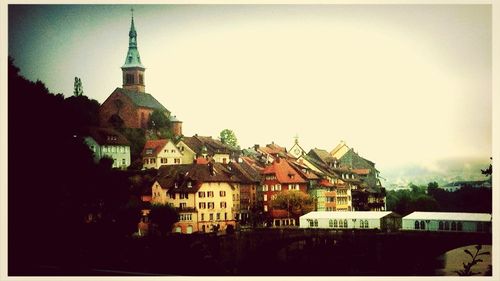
{"x": 212, "y": 183}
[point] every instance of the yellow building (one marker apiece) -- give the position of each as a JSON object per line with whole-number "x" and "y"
{"x": 206, "y": 195}
{"x": 207, "y": 147}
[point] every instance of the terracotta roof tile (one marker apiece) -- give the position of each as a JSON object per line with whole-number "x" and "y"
{"x": 284, "y": 172}
{"x": 153, "y": 147}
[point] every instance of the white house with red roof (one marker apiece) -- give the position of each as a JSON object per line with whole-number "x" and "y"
{"x": 161, "y": 152}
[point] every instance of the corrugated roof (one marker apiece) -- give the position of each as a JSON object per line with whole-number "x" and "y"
{"x": 348, "y": 215}
{"x": 449, "y": 216}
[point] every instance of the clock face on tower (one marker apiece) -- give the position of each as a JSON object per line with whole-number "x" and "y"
{"x": 296, "y": 150}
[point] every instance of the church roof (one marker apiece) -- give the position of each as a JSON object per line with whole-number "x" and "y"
{"x": 142, "y": 99}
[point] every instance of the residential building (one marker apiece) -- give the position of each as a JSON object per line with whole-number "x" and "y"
{"x": 161, "y": 152}
{"x": 202, "y": 146}
{"x": 249, "y": 183}
{"x": 278, "y": 176}
{"x": 206, "y": 194}
{"x": 107, "y": 142}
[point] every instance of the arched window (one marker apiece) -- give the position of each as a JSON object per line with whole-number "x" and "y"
{"x": 422, "y": 225}
{"x": 459, "y": 226}
{"x": 366, "y": 223}
{"x": 335, "y": 223}
{"x": 446, "y": 225}
{"x": 361, "y": 224}
{"x": 345, "y": 223}
{"x": 330, "y": 223}
{"x": 417, "y": 225}
{"x": 316, "y": 223}
{"x": 441, "y": 225}
{"x": 453, "y": 225}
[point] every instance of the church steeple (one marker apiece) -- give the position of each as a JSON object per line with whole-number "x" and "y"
{"x": 133, "y": 70}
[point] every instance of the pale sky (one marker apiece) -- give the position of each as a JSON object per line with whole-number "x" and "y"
{"x": 401, "y": 84}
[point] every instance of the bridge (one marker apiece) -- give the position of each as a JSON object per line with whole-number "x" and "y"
{"x": 344, "y": 252}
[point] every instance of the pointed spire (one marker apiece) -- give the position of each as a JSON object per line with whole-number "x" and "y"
{"x": 133, "y": 59}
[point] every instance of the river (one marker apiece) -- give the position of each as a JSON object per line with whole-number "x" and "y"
{"x": 453, "y": 261}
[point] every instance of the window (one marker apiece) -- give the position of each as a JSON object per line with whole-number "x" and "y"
{"x": 422, "y": 225}
{"x": 441, "y": 225}
{"x": 202, "y": 216}
{"x": 164, "y": 160}
{"x": 225, "y": 216}
{"x": 172, "y": 195}
{"x": 278, "y": 187}
{"x": 265, "y": 197}
{"x": 183, "y": 205}
{"x": 330, "y": 223}
{"x": 265, "y": 208}
{"x": 335, "y": 223}
{"x": 177, "y": 161}
{"x": 183, "y": 195}
{"x": 459, "y": 226}
{"x": 202, "y": 205}
{"x": 211, "y": 205}
{"x": 345, "y": 223}
{"x": 141, "y": 79}
{"x": 311, "y": 223}
{"x": 361, "y": 224}
{"x": 274, "y": 196}
{"x": 315, "y": 223}
{"x": 264, "y": 187}
{"x": 189, "y": 184}
{"x": 124, "y": 162}
{"x": 211, "y": 217}
{"x": 201, "y": 194}
{"x": 222, "y": 193}
{"x": 453, "y": 226}
{"x": 366, "y": 223}
{"x": 210, "y": 194}
{"x": 223, "y": 204}
{"x": 417, "y": 225}
{"x": 446, "y": 225}
{"x": 218, "y": 216}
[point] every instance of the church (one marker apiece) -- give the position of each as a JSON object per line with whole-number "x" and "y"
{"x": 130, "y": 106}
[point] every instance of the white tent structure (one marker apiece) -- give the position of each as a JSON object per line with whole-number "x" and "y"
{"x": 351, "y": 220}
{"x": 448, "y": 221}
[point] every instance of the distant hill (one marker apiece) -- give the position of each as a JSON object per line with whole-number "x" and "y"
{"x": 443, "y": 172}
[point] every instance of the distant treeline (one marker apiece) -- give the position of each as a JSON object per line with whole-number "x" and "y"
{"x": 435, "y": 199}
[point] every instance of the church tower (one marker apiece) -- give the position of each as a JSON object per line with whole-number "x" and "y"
{"x": 133, "y": 70}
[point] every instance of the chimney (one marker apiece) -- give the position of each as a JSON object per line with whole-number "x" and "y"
{"x": 255, "y": 147}
{"x": 278, "y": 159}
{"x": 211, "y": 168}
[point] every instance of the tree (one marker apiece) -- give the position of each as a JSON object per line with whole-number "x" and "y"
{"x": 295, "y": 202}
{"x": 228, "y": 137}
{"x": 487, "y": 171}
{"x": 78, "y": 88}
{"x": 467, "y": 271}
{"x": 158, "y": 120}
{"x": 163, "y": 217}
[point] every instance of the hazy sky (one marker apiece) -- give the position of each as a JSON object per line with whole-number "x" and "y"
{"x": 400, "y": 84}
